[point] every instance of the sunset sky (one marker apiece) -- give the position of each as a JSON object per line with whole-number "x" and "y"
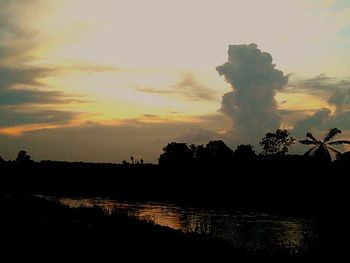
{"x": 101, "y": 80}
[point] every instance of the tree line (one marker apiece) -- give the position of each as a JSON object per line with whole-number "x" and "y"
{"x": 274, "y": 144}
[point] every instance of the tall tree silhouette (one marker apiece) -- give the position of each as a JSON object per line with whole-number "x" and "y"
{"x": 276, "y": 143}
{"x": 321, "y": 148}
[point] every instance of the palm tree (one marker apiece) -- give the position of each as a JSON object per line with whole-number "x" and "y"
{"x": 321, "y": 149}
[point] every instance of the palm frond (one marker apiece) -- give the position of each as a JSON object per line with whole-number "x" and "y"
{"x": 310, "y": 136}
{"x": 308, "y": 142}
{"x": 311, "y": 151}
{"x": 339, "y": 142}
{"x": 337, "y": 153}
{"x": 331, "y": 134}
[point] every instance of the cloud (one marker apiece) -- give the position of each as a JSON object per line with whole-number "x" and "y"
{"x": 308, "y": 124}
{"x": 318, "y": 84}
{"x": 251, "y": 105}
{"x": 18, "y": 97}
{"x": 188, "y": 87}
{"x": 10, "y": 117}
{"x": 20, "y": 80}
{"x": 340, "y": 120}
{"x": 329, "y": 88}
{"x": 340, "y": 99}
{"x": 87, "y": 67}
{"x": 333, "y": 91}
{"x": 11, "y": 76}
{"x": 198, "y": 136}
{"x": 322, "y": 120}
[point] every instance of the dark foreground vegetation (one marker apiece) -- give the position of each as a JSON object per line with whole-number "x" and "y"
{"x": 213, "y": 175}
{"x": 36, "y": 228}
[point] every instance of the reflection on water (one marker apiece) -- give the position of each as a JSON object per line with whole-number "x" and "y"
{"x": 253, "y": 231}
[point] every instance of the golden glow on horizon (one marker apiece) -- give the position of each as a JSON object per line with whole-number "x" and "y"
{"x": 19, "y": 130}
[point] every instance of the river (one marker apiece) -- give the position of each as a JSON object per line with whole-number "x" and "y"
{"x": 253, "y": 231}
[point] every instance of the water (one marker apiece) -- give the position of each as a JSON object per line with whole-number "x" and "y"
{"x": 253, "y": 231}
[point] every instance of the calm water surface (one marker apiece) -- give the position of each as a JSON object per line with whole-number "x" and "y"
{"x": 253, "y": 231}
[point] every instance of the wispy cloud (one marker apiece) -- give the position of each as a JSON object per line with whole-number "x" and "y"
{"x": 17, "y": 97}
{"x": 318, "y": 84}
{"x": 187, "y": 87}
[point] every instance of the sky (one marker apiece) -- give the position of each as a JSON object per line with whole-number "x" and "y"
{"x": 103, "y": 80}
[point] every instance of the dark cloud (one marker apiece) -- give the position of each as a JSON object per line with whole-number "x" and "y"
{"x": 188, "y": 87}
{"x": 10, "y": 117}
{"x": 11, "y": 76}
{"x": 198, "y": 136}
{"x": 18, "y": 97}
{"x": 251, "y": 105}
{"x": 340, "y": 120}
{"x": 323, "y": 82}
{"x": 322, "y": 120}
{"x": 334, "y": 90}
{"x": 340, "y": 99}
{"x": 317, "y": 120}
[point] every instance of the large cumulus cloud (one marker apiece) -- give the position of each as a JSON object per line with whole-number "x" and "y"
{"x": 254, "y": 80}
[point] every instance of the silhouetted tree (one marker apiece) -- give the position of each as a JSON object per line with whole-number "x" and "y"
{"x": 277, "y": 143}
{"x": 23, "y": 157}
{"x": 218, "y": 152}
{"x": 244, "y": 152}
{"x": 176, "y": 154}
{"x": 132, "y": 159}
{"x": 1, "y": 160}
{"x": 321, "y": 148}
{"x": 141, "y": 161}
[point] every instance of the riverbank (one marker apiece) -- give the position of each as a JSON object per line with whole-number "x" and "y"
{"x": 36, "y": 225}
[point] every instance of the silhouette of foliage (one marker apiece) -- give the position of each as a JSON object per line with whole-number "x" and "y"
{"x": 23, "y": 157}
{"x": 244, "y": 152}
{"x": 277, "y": 143}
{"x": 176, "y": 154}
{"x": 1, "y": 160}
{"x": 218, "y": 152}
{"x": 321, "y": 148}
